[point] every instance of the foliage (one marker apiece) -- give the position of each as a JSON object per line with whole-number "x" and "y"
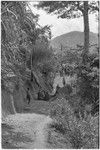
{"x": 80, "y": 133}
{"x": 13, "y": 41}
{"x": 87, "y": 83}
{"x": 70, "y": 9}
{"x": 22, "y": 38}
{"x": 88, "y": 80}
{"x": 66, "y": 9}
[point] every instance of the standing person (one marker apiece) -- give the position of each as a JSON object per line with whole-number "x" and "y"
{"x": 28, "y": 96}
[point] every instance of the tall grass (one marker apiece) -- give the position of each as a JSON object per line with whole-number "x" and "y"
{"x": 79, "y": 132}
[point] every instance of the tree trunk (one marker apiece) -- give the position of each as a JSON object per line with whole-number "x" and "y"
{"x": 86, "y": 32}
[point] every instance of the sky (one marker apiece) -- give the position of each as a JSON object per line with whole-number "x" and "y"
{"x": 62, "y": 26}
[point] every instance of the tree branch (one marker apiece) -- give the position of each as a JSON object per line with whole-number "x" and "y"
{"x": 78, "y": 6}
{"x": 12, "y": 13}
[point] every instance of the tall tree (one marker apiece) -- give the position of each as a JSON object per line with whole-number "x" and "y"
{"x": 22, "y": 38}
{"x": 86, "y": 31}
{"x": 73, "y": 9}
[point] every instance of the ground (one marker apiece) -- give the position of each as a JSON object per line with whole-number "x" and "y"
{"x": 26, "y": 130}
{"x": 31, "y": 129}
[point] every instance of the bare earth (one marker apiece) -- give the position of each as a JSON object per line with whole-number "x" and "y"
{"x": 32, "y": 126}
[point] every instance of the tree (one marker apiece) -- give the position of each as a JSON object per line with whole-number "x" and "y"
{"x": 86, "y": 32}
{"x": 73, "y": 9}
{"x": 21, "y": 38}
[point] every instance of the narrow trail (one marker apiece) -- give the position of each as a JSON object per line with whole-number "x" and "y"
{"x": 33, "y": 126}
{"x": 41, "y": 134}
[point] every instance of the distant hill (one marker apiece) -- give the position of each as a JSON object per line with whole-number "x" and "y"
{"x": 71, "y": 39}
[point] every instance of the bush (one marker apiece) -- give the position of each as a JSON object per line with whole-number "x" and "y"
{"x": 88, "y": 82}
{"x": 80, "y": 133}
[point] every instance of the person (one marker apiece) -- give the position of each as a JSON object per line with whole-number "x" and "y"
{"x": 28, "y": 96}
{"x": 41, "y": 95}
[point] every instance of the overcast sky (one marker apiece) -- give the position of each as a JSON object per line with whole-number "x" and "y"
{"x": 62, "y": 26}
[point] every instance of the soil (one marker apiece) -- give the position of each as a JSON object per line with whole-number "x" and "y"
{"x": 26, "y": 131}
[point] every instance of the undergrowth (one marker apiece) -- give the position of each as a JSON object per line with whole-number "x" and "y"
{"x": 80, "y": 133}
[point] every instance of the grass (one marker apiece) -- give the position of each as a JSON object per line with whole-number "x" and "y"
{"x": 79, "y": 132}
{"x": 56, "y": 138}
{"x": 9, "y": 137}
{"x": 39, "y": 107}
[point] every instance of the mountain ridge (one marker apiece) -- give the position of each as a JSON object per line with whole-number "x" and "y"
{"x": 72, "y": 33}
{"x": 71, "y": 40}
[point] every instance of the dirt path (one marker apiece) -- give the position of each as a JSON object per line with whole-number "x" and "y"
{"x": 32, "y": 126}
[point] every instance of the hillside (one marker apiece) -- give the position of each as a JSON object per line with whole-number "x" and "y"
{"x": 71, "y": 39}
